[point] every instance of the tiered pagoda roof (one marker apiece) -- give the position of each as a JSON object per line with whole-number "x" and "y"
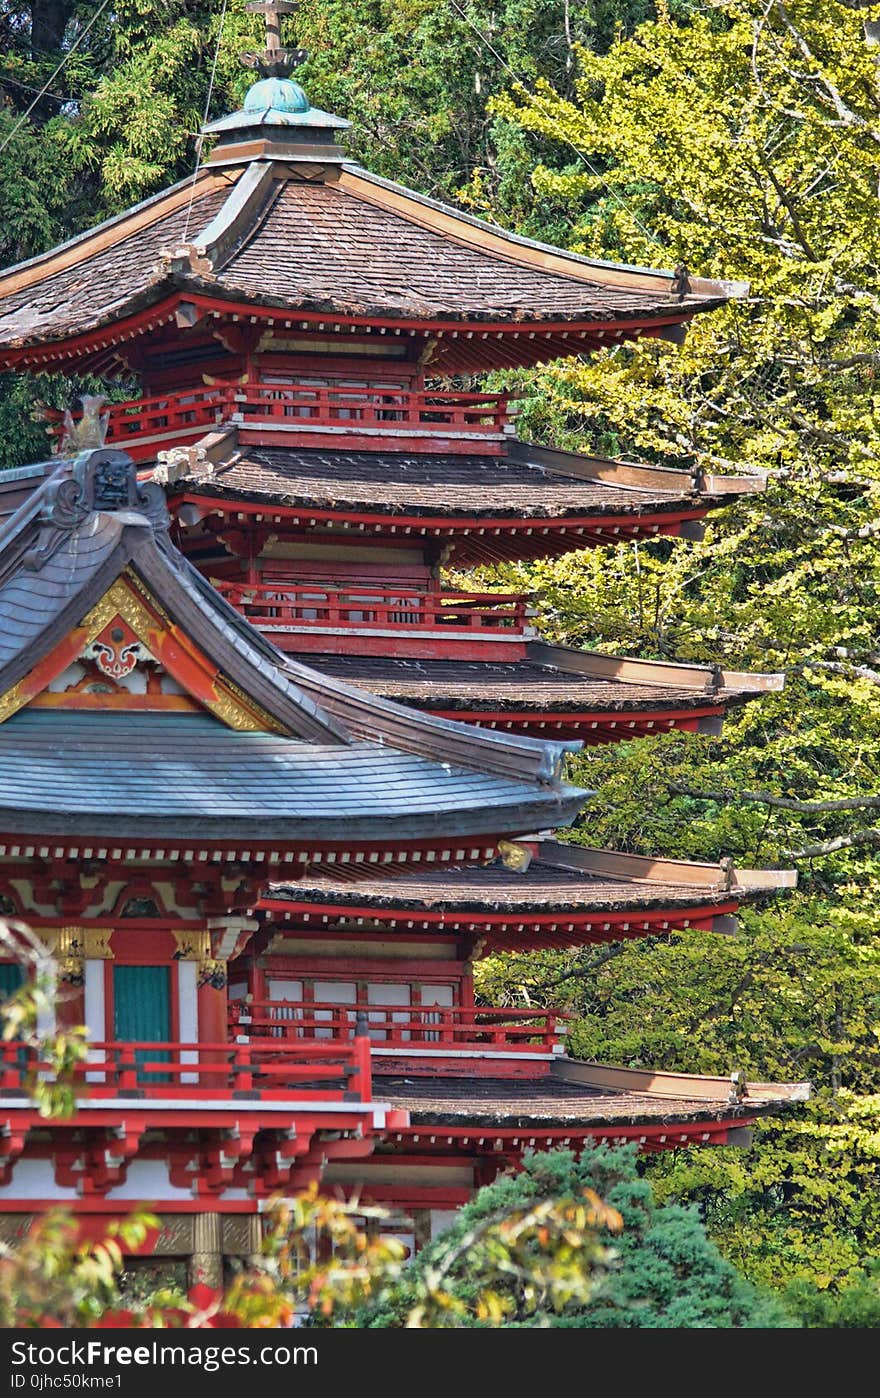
{"x": 371, "y": 258}
{"x": 530, "y": 502}
{"x": 608, "y": 1103}
{"x": 599, "y": 697}
{"x": 263, "y": 752}
{"x": 568, "y": 895}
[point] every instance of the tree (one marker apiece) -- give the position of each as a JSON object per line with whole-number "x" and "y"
{"x": 751, "y": 153}
{"x": 663, "y": 1271}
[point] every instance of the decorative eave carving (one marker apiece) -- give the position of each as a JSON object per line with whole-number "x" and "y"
{"x": 102, "y": 480}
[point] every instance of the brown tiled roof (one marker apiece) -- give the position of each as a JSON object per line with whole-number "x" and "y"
{"x": 322, "y": 247}
{"x": 430, "y": 484}
{"x": 563, "y": 878}
{"x": 354, "y": 246}
{"x": 545, "y": 1102}
{"x": 521, "y": 684}
{"x": 543, "y": 888}
{"x": 101, "y": 285}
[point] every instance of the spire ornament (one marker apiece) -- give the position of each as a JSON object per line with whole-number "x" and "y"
{"x": 274, "y": 61}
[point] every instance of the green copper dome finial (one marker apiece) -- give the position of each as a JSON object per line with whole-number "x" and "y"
{"x": 277, "y": 118}
{"x": 276, "y": 94}
{"x": 275, "y": 91}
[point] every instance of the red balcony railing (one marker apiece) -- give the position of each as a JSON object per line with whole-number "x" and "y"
{"x": 307, "y": 1070}
{"x": 424, "y": 1026}
{"x": 303, "y": 607}
{"x": 327, "y": 414}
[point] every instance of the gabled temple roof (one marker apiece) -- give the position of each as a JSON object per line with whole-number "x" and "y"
{"x": 294, "y": 233}
{"x": 311, "y": 755}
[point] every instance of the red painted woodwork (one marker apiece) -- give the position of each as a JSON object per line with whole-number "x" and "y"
{"x": 372, "y": 620}
{"x": 592, "y": 729}
{"x": 434, "y": 1026}
{"x": 336, "y": 1070}
{"x": 212, "y": 1013}
{"x": 361, "y": 418}
{"x": 501, "y": 930}
{"x": 205, "y": 1120}
{"x": 456, "y": 346}
{"x": 474, "y": 539}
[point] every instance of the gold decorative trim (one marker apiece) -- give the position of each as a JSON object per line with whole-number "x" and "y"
{"x": 12, "y": 701}
{"x": 119, "y": 600}
{"x": 129, "y": 599}
{"x": 192, "y": 945}
{"x": 235, "y": 714}
{"x": 212, "y": 973}
{"x": 91, "y": 943}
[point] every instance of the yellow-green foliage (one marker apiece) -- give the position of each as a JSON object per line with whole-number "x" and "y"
{"x": 743, "y": 141}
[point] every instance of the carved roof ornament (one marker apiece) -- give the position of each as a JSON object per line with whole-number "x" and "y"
{"x": 185, "y": 259}
{"x": 90, "y": 431}
{"x": 180, "y": 462}
{"x": 100, "y": 481}
{"x": 274, "y": 61}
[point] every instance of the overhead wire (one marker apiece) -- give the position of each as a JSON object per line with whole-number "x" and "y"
{"x": 535, "y": 97}
{"x": 50, "y": 80}
{"x": 200, "y": 138}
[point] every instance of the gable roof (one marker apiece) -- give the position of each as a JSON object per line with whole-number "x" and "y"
{"x": 335, "y": 240}
{"x": 91, "y": 536}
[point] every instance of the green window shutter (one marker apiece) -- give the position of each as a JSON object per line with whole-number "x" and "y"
{"x": 142, "y": 1011}
{"x": 11, "y": 978}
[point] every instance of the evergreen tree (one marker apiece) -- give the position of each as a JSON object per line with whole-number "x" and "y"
{"x": 664, "y": 1273}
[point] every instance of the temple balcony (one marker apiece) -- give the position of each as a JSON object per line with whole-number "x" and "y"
{"x": 333, "y": 1069}
{"x": 183, "y": 1122}
{"x": 424, "y": 1040}
{"x": 356, "y": 620}
{"x": 360, "y": 418}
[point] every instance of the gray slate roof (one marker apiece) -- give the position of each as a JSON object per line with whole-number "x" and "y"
{"x": 351, "y": 761}
{"x": 156, "y": 773}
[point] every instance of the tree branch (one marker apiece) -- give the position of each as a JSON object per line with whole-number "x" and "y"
{"x": 845, "y": 113}
{"x": 582, "y": 971}
{"x": 868, "y": 836}
{"x": 785, "y": 803}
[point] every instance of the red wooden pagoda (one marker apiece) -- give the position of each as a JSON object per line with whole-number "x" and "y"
{"x": 220, "y": 744}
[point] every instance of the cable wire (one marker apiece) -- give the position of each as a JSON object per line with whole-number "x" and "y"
{"x": 200, "y": 139}
{"x": 49, "y": 81}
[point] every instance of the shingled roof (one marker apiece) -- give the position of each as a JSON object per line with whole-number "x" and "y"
{"x": 561, "y": 878}
{"x": 323, "y": 758}
{"x": 551, "y": 678}
{"x": 568, "y": 895}
{"x": 395, "y": 483}
{"x": 589, "y": 1095}
{"x": 294, "y": 233}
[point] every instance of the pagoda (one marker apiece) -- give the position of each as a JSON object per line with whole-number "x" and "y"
{"x": 271, "y": 787}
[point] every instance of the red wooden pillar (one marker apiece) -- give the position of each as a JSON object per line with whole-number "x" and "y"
{"x": 256, "y": 982}
{"x": 212, "y": 1001}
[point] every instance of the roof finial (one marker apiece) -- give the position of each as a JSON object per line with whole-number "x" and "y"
{"x": 274, "y": 61}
